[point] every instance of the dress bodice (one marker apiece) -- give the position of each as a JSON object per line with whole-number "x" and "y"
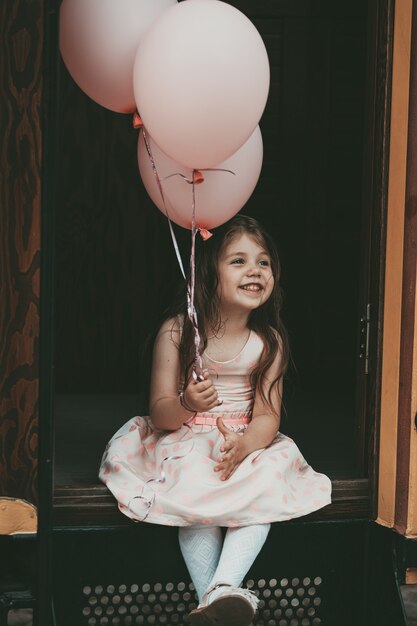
{"x": 232, "y": 378}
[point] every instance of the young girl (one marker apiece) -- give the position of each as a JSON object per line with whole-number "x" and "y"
{"x": 211, "y": 455}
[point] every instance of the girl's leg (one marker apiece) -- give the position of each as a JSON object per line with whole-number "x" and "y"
{"x": 201, "y": 549}
{"x": 240, "y": 548}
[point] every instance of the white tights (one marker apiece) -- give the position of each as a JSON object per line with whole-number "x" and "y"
{"x": 210, "y": 560}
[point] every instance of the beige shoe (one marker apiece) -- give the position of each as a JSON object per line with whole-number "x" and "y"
{"x": 232, "y": 607}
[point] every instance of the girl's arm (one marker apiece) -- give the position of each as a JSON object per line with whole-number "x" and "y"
{"x": 260, "y": 432}
{"x": 166, "y": 410}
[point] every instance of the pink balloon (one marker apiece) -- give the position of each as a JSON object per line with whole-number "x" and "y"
{"x": 201, "y": 81}
{"x": 218, "y": 198}
{"x": 99, "y": 40}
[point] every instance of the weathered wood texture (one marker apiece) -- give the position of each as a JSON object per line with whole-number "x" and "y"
{"x": 407, "y": 382}
{"x": 21, "y": 34}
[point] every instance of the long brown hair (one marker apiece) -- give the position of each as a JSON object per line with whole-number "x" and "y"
{"x": 265, "y": 320}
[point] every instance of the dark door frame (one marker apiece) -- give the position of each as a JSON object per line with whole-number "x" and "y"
{"x": 375, "y": 206}
{"x": 44, "y": 614}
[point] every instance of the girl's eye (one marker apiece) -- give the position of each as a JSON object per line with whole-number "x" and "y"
{"x": 238, "y": 261}
{"x": 264, "y": 262}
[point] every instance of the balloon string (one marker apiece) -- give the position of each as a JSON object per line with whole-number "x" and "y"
{"x": 158, "y": 182}
{"x": 191, "y": 310}
{"x": 192, "y": 313}
{"x": 216, "y": 169}
{"x": 191, "y": 181}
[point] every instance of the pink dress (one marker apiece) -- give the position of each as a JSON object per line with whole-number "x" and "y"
{"x": 167, "y": 477}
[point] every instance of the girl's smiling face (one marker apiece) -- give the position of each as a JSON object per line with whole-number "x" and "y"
{"x": 245, "y": 275}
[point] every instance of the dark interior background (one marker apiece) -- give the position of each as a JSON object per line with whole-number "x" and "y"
{"x": 115, "y": 265}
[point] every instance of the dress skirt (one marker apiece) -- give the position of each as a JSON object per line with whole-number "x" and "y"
{"x": 168, "y": 477}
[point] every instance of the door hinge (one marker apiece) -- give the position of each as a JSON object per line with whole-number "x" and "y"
{"x": 364, "y": 337}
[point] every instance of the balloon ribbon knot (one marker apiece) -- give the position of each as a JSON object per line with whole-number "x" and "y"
{"x": 198, "y": 177}
{"x": 205, "y": 234}
{"x": 137, "y": 121}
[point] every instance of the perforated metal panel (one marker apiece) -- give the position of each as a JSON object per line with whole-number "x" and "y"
{"x": 283, "y": 602}
{"x": 288, "y": 602}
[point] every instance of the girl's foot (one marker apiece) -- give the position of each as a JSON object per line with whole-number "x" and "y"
{"x": 232, "y": 606}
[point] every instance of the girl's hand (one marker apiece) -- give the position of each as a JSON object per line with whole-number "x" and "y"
{"x": 232, "y": 449}
{"x": 201, "y": 396}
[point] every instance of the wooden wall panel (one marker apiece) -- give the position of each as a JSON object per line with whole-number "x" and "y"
{"x": 405, "y": 505}
{"x": 21, "y": 34}
{"x": 394, "y": 265}
{"x": 114, "y": 257}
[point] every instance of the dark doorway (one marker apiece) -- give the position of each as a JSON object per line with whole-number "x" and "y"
{"x": 116, "y": 268}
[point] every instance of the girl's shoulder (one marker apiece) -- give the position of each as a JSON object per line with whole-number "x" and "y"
{"x": 172, "y": 328}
